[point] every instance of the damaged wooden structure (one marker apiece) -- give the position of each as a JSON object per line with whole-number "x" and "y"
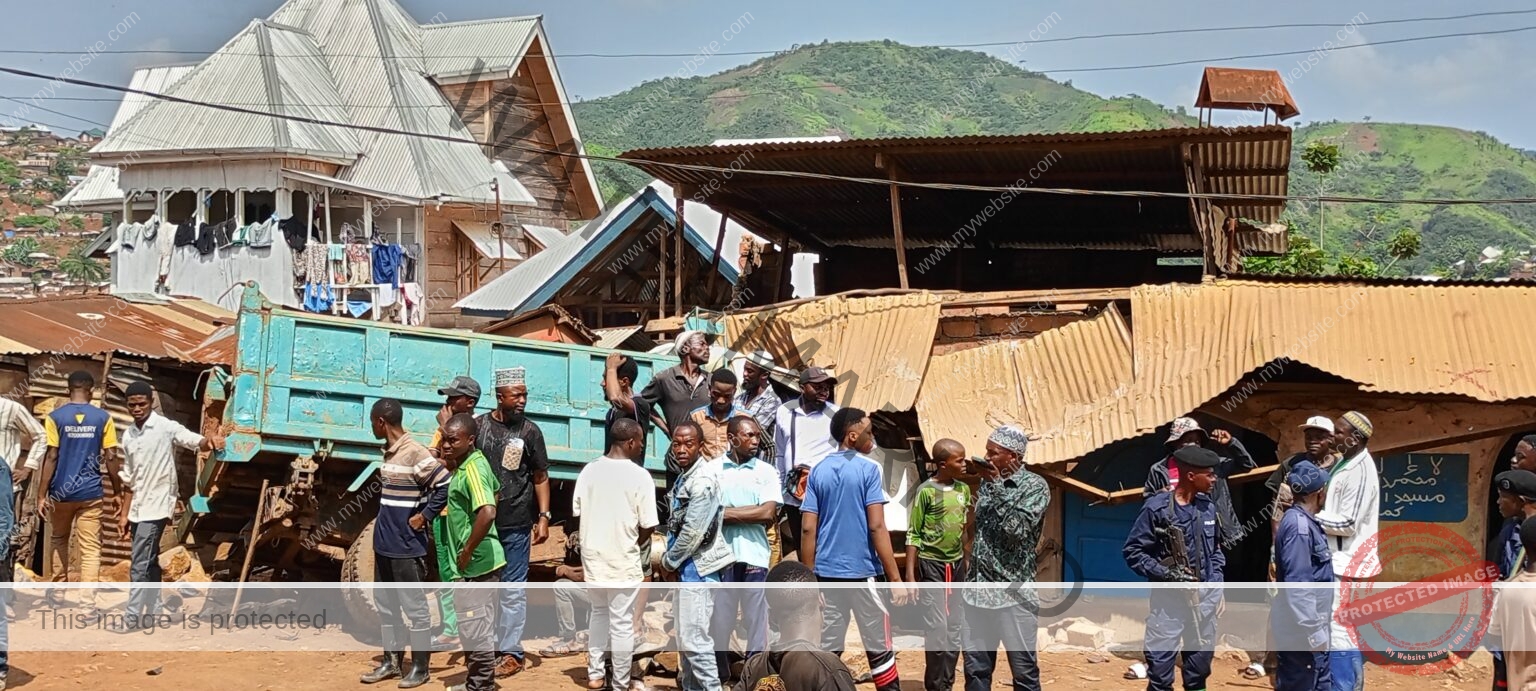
{"x": 1008, "y": 234}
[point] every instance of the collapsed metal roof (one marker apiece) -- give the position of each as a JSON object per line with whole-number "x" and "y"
{"x": 97, "y": 324}
{"x": 824, "y": 213}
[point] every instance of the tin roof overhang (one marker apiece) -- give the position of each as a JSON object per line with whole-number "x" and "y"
{"x": 821, "y": 213}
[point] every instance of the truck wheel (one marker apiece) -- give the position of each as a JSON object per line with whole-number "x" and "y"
{"x": 359, "y": 568}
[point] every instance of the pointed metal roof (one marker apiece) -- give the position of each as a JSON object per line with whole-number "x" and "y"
{"x": 268, "y": 63}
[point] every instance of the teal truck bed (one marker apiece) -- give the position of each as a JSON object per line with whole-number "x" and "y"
{"x": 303, "y": 385}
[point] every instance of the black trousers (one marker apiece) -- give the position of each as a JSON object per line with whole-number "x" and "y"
{"x": 403, "y": 611}
{"x": 789, "y": 535}
{"x": 866, "y": 605}
{"x": 476, "y": 609}
{"x": 943, "y": 620}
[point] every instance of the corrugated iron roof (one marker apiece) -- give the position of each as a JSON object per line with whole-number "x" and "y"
{"x": 265, "y": 63}
{"x": 533, "y": 282}
{"x": 97, "y": 324}
{"x": 616, "y": 338}
{"x": 484, "y": 238}
{"x": 879, "y": 347}
{"x": 823, "y": 213}
{"x": 99, "y": 189}
{"x": 462, "y": 49}
{"x": 1244, "y": 89}
{"x": 1194, "y": 342}
{"x": 1070, "y": 387}
{"x": 544, "y": 235}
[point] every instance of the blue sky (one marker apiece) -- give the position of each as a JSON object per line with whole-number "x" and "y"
{"x": 1476, "y": 83}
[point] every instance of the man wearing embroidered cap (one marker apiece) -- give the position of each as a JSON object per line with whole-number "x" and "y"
{"x": 1010, "y": 511}
{"x": 1234, "y": 457}
{"x": 1299, "y": 616}
{"x": 1349, "y": 517}
{"x": 1171, "y": 620}
{"x": 514, "y": 445}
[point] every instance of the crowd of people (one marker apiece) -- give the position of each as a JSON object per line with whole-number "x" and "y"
{"x": 763, "y": 490}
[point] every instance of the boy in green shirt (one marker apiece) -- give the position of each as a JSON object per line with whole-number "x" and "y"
{"x": 936, "y": 539}
{"x": 468, "y": 549}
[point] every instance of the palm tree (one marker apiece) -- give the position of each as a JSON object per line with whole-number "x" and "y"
{"x": 18, "y": 251}
{"x": 79, "y": 268}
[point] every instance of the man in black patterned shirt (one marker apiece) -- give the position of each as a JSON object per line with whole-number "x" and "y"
{"x": 1010, "y": 510}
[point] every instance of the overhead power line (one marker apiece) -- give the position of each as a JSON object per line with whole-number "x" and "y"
{"x": 743, "y": 53}
{"x": 778, "y": 173}
{"x": 738, "y": 95}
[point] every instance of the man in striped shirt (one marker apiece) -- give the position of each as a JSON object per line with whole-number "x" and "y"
{"x": 414, "y": 490}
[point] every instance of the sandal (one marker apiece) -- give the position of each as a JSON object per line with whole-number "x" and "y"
{"x": 1254, "y": 672}
{"x": 1136, "y": 671}
{"x": 563, "y": 648}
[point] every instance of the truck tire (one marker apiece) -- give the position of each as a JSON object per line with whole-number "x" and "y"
{"x": 358, "y": 567}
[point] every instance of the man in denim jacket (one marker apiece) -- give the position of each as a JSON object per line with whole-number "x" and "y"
{"x": 696, "y": 553}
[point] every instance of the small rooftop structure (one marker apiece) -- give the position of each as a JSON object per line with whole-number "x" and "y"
{"x": 1234, "y": 88}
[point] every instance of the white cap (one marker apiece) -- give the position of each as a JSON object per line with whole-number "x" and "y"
{"x": 1318, "y": 422}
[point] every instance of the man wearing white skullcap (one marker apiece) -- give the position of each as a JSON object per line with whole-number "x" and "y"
{"x": 1010, "y": 513}
{"x": 514, "y": 445}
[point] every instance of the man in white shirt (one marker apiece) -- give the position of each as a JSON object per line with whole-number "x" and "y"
{"x": 1349, "y": 516}
{"x": 17, "y": 423}
{"x": 149, "y": 499}
{"x": 802, "y": 436}
{"x": 616, "y": 502}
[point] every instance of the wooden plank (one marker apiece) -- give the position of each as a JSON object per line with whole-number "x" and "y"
{"x": 1057, "y": 475}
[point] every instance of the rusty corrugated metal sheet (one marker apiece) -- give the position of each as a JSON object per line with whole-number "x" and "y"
{"x": 1070, "y": 387}
{"x": 1194, "y": 342}
{"x": 1237, "y": 88}
{"x": 97, "y": 324}
{"x": 883, "y": 341}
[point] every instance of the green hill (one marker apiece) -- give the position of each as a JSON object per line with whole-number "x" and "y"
{"x": 870, "y": 89}
{"x": 883, "y": 89}
{"x": 1389, "y": 160}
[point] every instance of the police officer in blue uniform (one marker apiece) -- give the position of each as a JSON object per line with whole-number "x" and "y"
{"x": 1517, "y": 502}
{"x": 1298, "y": 617}
{"x": 1180, "y": 619}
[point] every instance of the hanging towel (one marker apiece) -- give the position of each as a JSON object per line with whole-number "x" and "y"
{"x": 386, "y": 295}
{"x": 418, "y": 307}
{"x": 358, "y": 308}
{"x": 117, "y": 238}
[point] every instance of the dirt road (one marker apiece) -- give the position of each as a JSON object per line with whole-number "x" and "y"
{"x": 250, "y": 671}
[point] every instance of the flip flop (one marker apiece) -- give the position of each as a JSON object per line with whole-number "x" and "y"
{"x": 1254, "y": 673}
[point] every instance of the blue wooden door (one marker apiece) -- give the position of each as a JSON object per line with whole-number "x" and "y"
{"x": 1094, "y": 536}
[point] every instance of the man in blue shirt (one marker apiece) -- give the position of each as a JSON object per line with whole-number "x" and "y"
{"x": 1299, "y": 617}
{"x": 81, "y": 437}
{"x": 750, "y": 492}
{"x": 1171, "y": 619}
{"x": 844, "y": 540}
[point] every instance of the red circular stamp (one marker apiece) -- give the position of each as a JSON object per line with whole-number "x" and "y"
{"x": 1425, "y": 626}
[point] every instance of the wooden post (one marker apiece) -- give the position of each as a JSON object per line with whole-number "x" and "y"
{"x": 714, "y": 264}
{"x": 786, "y": 258}
{"x": 901, "y": 242}
{"x": 250, "y": 547}
{"x": 328, "y": 237}
{"x": 501, "y": 245}
{"x": 677, "y": 250}
{"x": 661, "y": 281}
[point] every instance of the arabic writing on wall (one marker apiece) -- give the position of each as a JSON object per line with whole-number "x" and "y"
{"x": 1424, "y": 488}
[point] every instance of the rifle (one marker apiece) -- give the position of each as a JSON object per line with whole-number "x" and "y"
{"x": 1181, "y": 570}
